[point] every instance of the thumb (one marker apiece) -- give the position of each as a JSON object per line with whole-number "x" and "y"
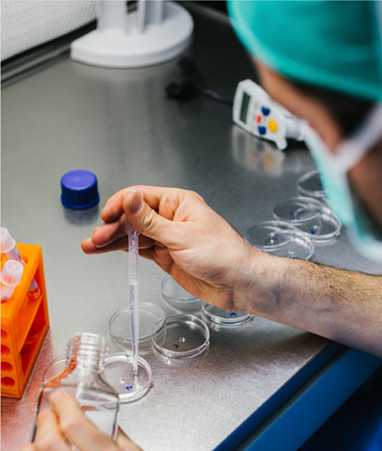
{"x": 147, "y": 221}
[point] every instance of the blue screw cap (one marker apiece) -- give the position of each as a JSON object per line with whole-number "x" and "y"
{"x": 79, "y": 189}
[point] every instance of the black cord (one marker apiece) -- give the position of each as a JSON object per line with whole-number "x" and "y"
{"x": 192, "y": 84}
{"x": 217, "y": 96}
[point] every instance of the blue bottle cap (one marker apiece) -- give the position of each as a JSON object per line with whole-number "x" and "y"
{"x": 79, "y": 189}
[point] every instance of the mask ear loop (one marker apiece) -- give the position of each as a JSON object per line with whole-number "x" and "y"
{"x": 352, "y": 151}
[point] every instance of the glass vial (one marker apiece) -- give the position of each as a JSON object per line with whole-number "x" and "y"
{"x": 83, "y": 379}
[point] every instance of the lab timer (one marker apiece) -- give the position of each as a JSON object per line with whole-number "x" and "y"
{"x": 258, "y": 114}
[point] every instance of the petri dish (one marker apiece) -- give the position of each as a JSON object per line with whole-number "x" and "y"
{"x": 225, "y": 317}
{"x": 177, "y": 296}
{"x": 281, "y": 239}
{"x": 119, "y": 374}
{"x": 310, "y": 185}
{"x": 181, "y": 336}
{"x": 310, "y": 216}
{"x": 120, "y": 330}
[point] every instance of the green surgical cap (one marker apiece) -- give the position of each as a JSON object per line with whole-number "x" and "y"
{"x": 330, "y": 44}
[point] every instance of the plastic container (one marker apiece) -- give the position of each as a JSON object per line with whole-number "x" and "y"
{"x": 83, "y": 378}
{"x": 225, "y": 317}
{"x": 177, "y": 296}
{"x": 281, "y": 239}
{"x": 181, "y": 336}
{"x": 310, "y": 216}
{"x": 120, "y": 327}
{"x": 10, "y": 278}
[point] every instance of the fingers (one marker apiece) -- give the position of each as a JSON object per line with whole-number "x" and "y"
{"x": 153, "y": 196}
{"x": 76, "y": 427}
{"x": 147, "y": 221}
{"x": 29, "y": 447}
{"x": 48, "y": 435}
{"x": 124, "y": 443}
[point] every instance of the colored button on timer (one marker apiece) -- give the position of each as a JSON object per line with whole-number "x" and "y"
{"x": 262, "y": 130}
{"x": 272, "y": 125}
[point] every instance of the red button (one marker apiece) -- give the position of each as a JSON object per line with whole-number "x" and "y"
{"x": 258, "y": 118}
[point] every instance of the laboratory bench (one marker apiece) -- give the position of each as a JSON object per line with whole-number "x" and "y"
{"x": 260, "y": 386}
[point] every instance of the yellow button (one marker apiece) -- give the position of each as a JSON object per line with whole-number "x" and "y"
{"x": 272, "y": 125}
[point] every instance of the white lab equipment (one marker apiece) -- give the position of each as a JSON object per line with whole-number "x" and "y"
{"x": 9, "y": 248}
{"x": 10, "y": 278}
{"x": 258, "y": 114}
{"x": 135, "y": 34}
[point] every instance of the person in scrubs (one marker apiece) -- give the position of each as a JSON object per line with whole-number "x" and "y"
{"x": 322, "y": 60}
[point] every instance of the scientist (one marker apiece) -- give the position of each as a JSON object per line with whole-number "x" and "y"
{"x": 322, "y": 60}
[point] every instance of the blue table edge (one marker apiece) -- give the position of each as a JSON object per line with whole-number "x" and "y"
{"x": 305, "y": 402}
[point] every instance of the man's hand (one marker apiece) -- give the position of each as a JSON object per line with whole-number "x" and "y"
{"x": 66, "y": 421}
{"x": 184, "y": 236}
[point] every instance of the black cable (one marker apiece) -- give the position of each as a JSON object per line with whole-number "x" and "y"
{"x": 192, "y": 84}
{"x": 217, "y": 96}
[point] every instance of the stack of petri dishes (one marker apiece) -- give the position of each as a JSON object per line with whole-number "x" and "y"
{"x": 281, "y": 239}
{"x": 314, "y": 219}
{"x": 299, "y": 222}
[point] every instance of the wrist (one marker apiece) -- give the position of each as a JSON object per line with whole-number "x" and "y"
{"x": 257, "y": 286}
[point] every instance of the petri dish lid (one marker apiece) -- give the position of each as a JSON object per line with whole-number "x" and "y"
{"x": 281, "y": 239}
{"x": 177, "y": 296}
{"x": 225, "y": 317}
{"x": 120, "y": 329}
{"x": 310, "y": 216}
{"x": 309, "y": 184}
{"x": 181, "y": 336}
{"x": 119, "y": 374}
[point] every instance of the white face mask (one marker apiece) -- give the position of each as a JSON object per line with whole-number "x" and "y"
{"x": 333, "y": 170}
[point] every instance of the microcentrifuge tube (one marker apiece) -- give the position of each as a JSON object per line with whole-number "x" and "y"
{"x": 9, "y": 248}
{"x": 10, "y": 278}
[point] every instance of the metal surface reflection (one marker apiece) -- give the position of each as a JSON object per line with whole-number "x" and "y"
{"x": 255, "y": 154}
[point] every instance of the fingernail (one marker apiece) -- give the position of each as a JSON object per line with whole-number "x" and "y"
{"x": 55, "y": 397}
{"x": 136, "y": 203}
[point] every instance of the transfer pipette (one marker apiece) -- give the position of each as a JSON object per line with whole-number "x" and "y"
{"x": 134, "y": 286}
{"x": 9, "y": 248}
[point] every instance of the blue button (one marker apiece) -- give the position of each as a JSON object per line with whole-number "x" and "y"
{"x": 262, "y": 130}
{"x": 79, "y": 189}
{"x": 265, "y": 110}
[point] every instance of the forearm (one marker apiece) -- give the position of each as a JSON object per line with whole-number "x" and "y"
{"x": 340, "y": 305}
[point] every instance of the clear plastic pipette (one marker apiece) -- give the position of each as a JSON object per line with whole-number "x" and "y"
{"x": 134, "y": 287}
{"x": 9, "y": 248}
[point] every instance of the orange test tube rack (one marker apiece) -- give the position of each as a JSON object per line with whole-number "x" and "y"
{"x": 24, "y": 324}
